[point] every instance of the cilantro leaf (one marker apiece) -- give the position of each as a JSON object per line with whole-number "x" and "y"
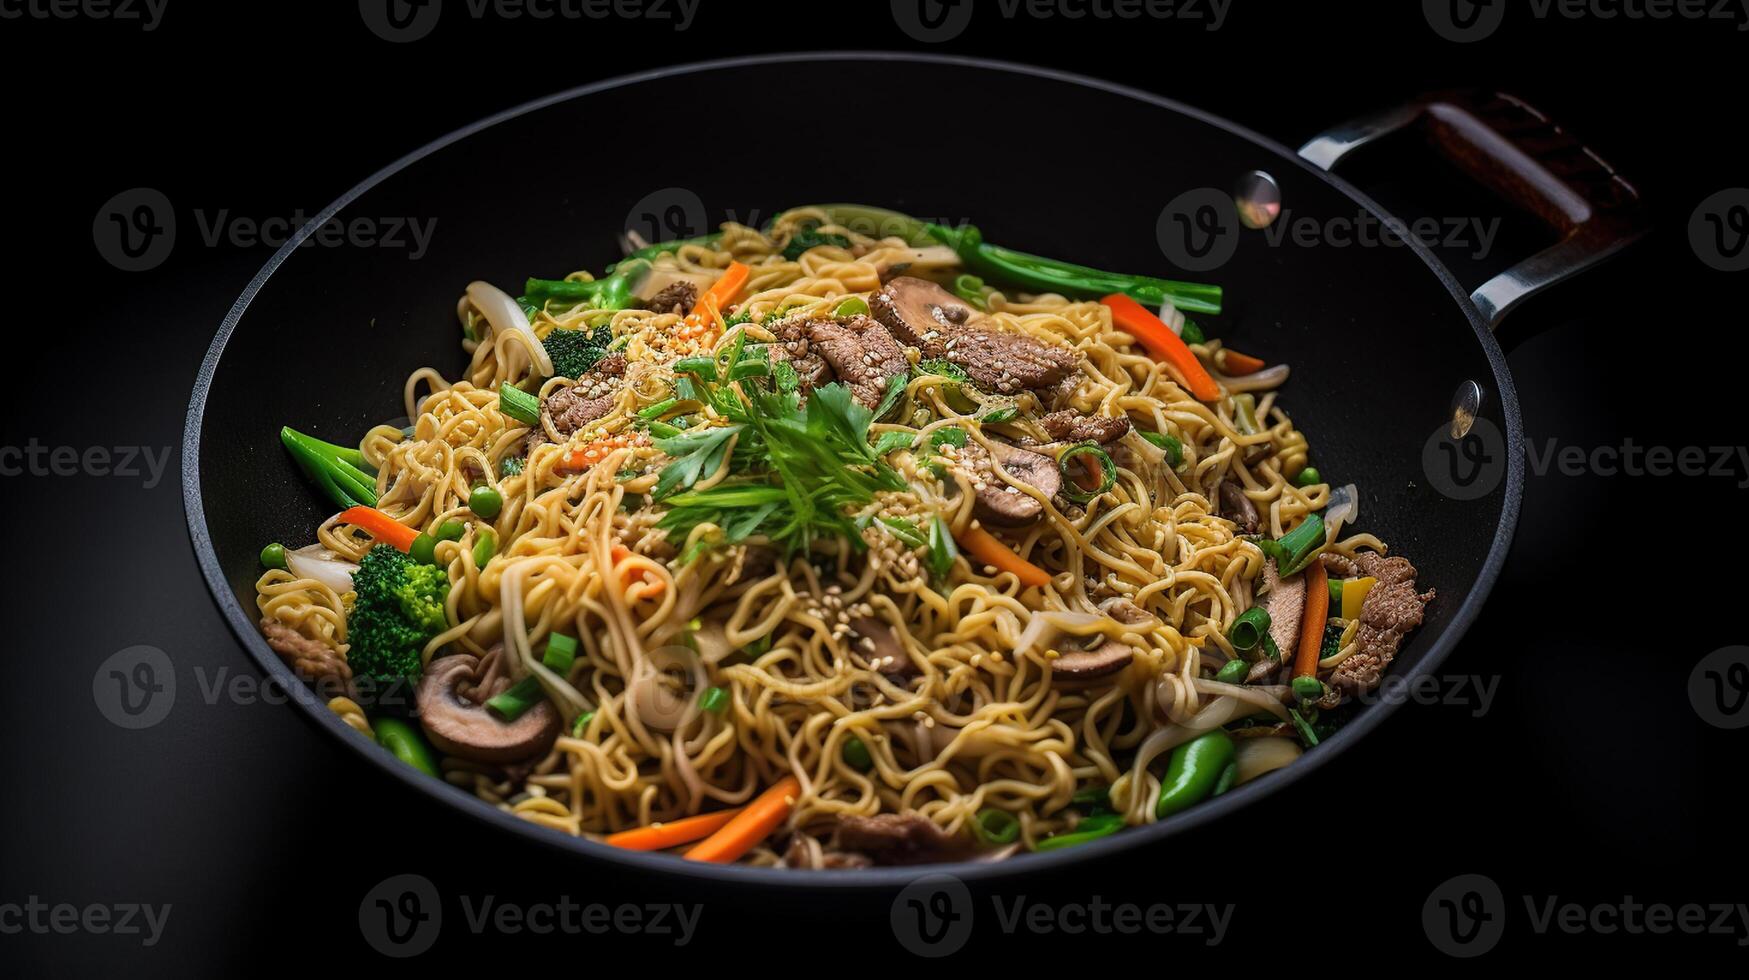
{"x": 697, "y": 453}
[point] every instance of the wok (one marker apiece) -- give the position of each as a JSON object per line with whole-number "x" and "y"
{"x": 1379, "y": 339}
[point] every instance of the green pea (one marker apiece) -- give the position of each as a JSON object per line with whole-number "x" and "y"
{"x": 1308, "y": 688}
{"x": 485, "y": 546}
{"x": 423, "y": 549}
{"x": 1193, "y": 771}
{"x": 1233, "y": 672}
{"x": 1309, "y": 477}
{"x": 451, "y": 530}
{"x": 408, "y": 745}
{"x": 856, "y": 755}
{"x": 485, "y": 501}
{"x": 273, "y": 556}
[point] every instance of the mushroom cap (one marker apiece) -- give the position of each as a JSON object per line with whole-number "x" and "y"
{"x": 998, "y": 505}
{"x": 1238, "y": 508}
{"x": 1085, "y": 665}
{"x": 889, "y": 655}
{"x": 919, "y": 312}
{"x": 460, "y": 727}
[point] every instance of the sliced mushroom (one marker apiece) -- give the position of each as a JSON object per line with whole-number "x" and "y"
{"x": 878, "y": 645}
{"x": 1003, "y": 505}
{"x": 1103, "y": 660}
{"x": 462, "y": 727}
{"x": 1238, "y": 508}
{"x": 920, "y": 313}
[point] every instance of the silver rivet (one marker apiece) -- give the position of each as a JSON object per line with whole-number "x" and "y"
{"x": 1465, "y": 406}
{"x": 1258, "y": 198}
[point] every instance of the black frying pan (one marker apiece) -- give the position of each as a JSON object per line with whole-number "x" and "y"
{"x": 535, "y": 191}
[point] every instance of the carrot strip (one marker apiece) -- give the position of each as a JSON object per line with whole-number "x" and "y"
{"x": 752, "y": 825}
{"x": 1133, "y": 318}
{"x": 588, "y": 455}
{"x": 1237, "y": 364}
{"x": 380, "y": 526}
{"x": 724, "y": 289}
{"x": 990, "y": 550}
{"x": 662, "y": 836}
{"x": 653, "y": 586}
{"x": 1312, "y": 622}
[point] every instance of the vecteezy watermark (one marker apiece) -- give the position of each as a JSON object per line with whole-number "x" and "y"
{"x": 935, "y": 21}
{"x": 135, "y": 687}
{"x": 1467, "y": 467}
{"x": 1471, "y": 467}
{"x": 33, "y": 915}
{"x": 1475, "y": 692}
{"x": 403, "y": 915}
{"x": 403, "y": 21}
{"x": 1718, "y": 230}
{"x": 934, "y": 916}
{"x": 124, "y": 462}
{"x": 1464, "y": 21}
{"x": 1718, "y": 687}
{"x": 147, "y": 14}
{"x": 1465, "y": 917}
{"x": 136, "y": 230}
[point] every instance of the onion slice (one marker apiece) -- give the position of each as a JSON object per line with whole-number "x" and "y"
{"x": 508, "y": 320}
{"x": 324, "y": 566}
{"x": 1256, "y": 756}
{"x": 1273, "y": 376}
{"x": 1343, "y": 508}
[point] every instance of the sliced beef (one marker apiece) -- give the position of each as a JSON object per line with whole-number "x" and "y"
{"x": 1067, "y": 426}
{"x": 313, "y": 660}
{"x": 1390, "y": 611}
{"x": 862, "y": 353}
{"x": 792, "y": 338}
{"x": 925, "y": 316}
{"x": 676, "y": 297}
{"x": 571, "y": 408}
{"x": 899, "y": 838}
{"x": 1008, "y": 362}
{"x": 1238, "y": 508}
{"x": 999, "y": 503}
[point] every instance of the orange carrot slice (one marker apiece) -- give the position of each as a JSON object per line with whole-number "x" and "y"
{"x": 1133, "y": 318}
{"x": 990, "y": 550}
{"x": 661, "y": 836}
{"x": 380, "y": 526}
{"x": 752, "y": 825}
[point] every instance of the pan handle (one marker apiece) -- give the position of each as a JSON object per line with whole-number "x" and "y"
{"x": 1525, "y": 158}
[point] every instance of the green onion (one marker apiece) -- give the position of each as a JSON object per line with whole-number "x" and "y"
{"x": 561, "y": 653}
{"x": 1336, "y": 592}
{"x": 407, "y": 744}
{"x": 423, "y": 549}
{"x": 519, "y": 404}
{"x": 854, "y": 306}
{"x": 1107, "y": 472}
{"x": 1245, "y": 413}
{"x": 516, "y": 699}
{"x": 1192, "y": 333}
{"x": 1308, "y": 477}
{"x": 703, "y": 367}
{"x": 1232, "y": 672}
{"x": 1295, "y": 549}
{"x": 994, "y": 826}
{"x": 905, "y": 531}
{"x": 485, "y": 546}
{"x": 971, "y": 289}
{"x": 856, "y": 755}
{"x": 1092, "y": 796}
{"x": 339, "y": 471}
{"x": 942, "y": 549}
{"x": 1092, "y": 828}
{"x": 1249, "y": 628}
{"x": 1174, "y": 448}
{"x": 1304, "y": 727}
{"x": 451, "y": 530}
{"x": 273, "y": 556}
{"x": 714, "y": 700}
{"x": 759, "y": 647}
{"x": 582, "y": 724}
{"x": 1003, "y": 414}
{"x": 659, "y": 409}
{"x": 1270, "y": 650}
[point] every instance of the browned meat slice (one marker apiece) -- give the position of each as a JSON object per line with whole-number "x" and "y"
{"x": 571, "y": 408}
{"x": 676, "y": 297}
{"x": 899, "y": 838}
{"x": 1390, "y": 611}
{"x": 999, "y": 503}
{"x": 1067, "y": 426}
{"x": 1238, "y": 508}
{"x": 313, "y": 660}
{"x": 863, "y": 355}
{"x": 878, "y": 645}
{"x": 1008, "y": 362}
{"x": 792, "y": 337}
{"x": 920, "y": 313}
{"x": 1103, "y": 660}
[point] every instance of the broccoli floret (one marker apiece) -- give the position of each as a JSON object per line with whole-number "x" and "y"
{"x": 511, "y": 466}
{"x": 807, "y": 237}
{"x": 397, "y": 609}
{"x": 574, "y": 352}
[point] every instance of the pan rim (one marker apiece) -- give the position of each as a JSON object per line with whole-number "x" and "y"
{"x": 243, "y": 626}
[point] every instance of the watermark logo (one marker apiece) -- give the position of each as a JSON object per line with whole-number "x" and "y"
{"x": 666, "y": 215}
{"x": 932, "y": 21}
{"x": 33, "y": 915}
{"x": 932, "y": 916}
{"x": 1718, "y": 687}
{"x": 1718, "y": 231}
{"x": 1467, "y": 468}
{"x": 1464, "y": 21}
{"x": 1465, "y": 916}
{"x": 135, "y": 230}
{"x": 400, "y": 21}
{"x": 135, "y": 688}
{"x": 144, "y": 463}
{"x": 1199, "y": 229}
{"x": 401, "y": 916}
{"x": 146, "y": 14}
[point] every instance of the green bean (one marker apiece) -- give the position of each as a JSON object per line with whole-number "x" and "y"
{"x": 485, "y": 546}
{"x": 407, "y": 744}
{"x": 1092, "y": 828}
{"x": 1193, "y": 771}
{"x": 1233, "y": 672}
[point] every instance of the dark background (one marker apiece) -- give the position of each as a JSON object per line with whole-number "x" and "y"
{"x": 1587, "y": 779}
